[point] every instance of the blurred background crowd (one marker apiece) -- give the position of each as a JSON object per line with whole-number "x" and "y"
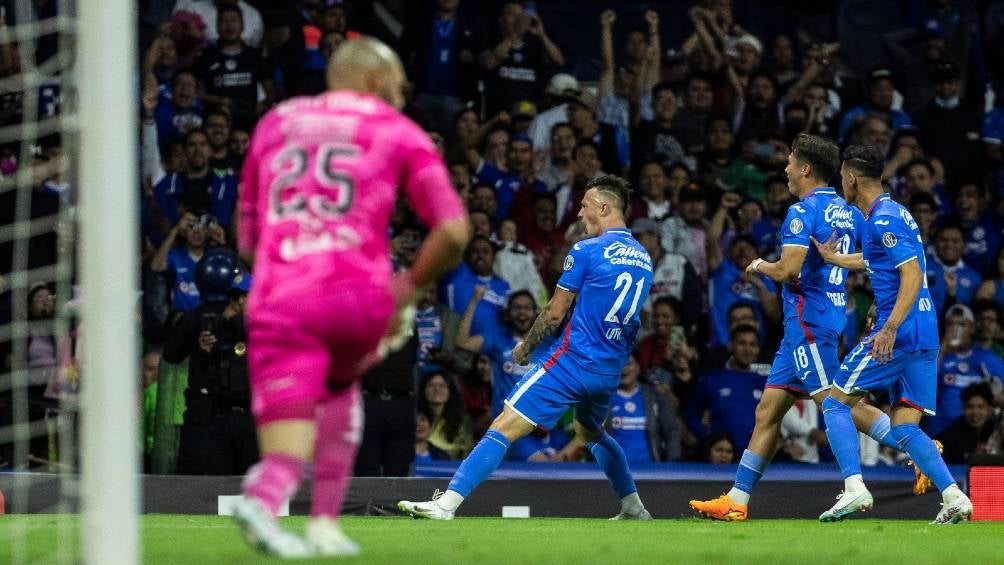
{"x": 695, "y": 103}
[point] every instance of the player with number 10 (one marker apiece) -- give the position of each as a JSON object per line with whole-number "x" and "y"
{"x": 814, "y": 300}
{"x": 608, "y": 278}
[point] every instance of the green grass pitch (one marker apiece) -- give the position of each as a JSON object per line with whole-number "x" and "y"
{"x": 193, "y": 540}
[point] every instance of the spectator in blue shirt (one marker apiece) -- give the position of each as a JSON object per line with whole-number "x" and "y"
{"x": 981, "y": 226}
{"x": 519, "y": 173}
{"x": 641, "y": 420}
{"x": 961, "y": 280}
{"x": 178, "y": 107}
{"x": 180, "y": 251}
{"x": 729, "y": 395}
{"x": 457, "y": 287}
{"x": 727, "y": 285}
{"x": 962, "y": 364}
{"x": 196, "y": 187}
{"x": 880, "y": 97}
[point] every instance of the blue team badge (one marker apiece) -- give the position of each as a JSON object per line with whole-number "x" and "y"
{"x": 796, "y": 226}
{"x": 569, "y": 262}
{"x": 889, "y": 240}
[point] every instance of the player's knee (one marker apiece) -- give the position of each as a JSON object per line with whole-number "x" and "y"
{"x": 833, "y": 404}
{"x": 587, "y": 435}
{"x": 511, "y": 425}
{"x": 768, "y": 415}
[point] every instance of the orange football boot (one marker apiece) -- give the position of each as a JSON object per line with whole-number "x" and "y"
{"x": 721, "y": 508}
{"x": 921, "y": 483}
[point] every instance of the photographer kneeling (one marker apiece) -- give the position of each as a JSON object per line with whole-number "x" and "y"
{"x": 218, "y": 435}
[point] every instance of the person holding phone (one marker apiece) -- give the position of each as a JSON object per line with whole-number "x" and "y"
{"x": 218, "y": 435}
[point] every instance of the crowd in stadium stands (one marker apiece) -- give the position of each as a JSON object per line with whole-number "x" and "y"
{"x": 695, "y": 103}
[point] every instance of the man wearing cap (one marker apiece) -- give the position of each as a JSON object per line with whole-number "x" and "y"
{"x": 949, "y": 124}
{"x": 515, "y": 65}
{"x": 881, "y": 93}
{"x": 962, "y": 364}
{"x": 559, "y": 89}
{"x": 522, "y": 114}
{"x": 672, "y": 274}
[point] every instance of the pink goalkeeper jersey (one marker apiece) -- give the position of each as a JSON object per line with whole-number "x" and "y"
{"x": 319, "y": 185}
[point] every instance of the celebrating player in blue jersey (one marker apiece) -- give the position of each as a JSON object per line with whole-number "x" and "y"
{"x": 608, "y": 277}
{"x": 814, "y": 302}
{"x": 901, "y": 353}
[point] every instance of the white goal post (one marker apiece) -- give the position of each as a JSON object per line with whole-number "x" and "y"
{"x": 109, "y": 276}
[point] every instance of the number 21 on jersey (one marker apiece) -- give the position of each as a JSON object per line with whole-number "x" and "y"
{"x": 624, "y": 284}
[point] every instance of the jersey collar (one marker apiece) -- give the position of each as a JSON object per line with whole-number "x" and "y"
{"x": 820, "y": 190}
{"x": 624, "y": 231}
{"x": 881, "y": 198}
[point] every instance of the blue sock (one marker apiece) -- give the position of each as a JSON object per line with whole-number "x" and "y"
{"x": 843, "y": 436}
{"x": 483, "y": 459}
{"x": 921, "y": 449}
{"x": 880, "y": 431}
{"x": 611, "y": 459}
{"x": 750, "y": 470}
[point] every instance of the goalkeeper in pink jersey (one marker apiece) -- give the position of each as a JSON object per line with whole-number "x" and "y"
{"x": 319, "y": 184}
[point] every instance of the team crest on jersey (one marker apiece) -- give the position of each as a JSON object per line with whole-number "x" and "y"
{"x": 889, "y": 240}
{"x": 795, "y": 226}
{"x": 569, "y": 263}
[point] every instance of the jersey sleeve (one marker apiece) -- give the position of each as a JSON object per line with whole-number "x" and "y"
{"x": 797, "y": 227}
{"x": 573, "y": 272}
{"x": 895, "y": 239}
{"x": 426, "y": 182}
{"x": 247, "y": 191}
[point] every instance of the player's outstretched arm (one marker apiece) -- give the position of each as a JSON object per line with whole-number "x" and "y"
{"x": 784, "y": 270}
{"x": 831, "y": 254}
{"x": 545, "y": 324}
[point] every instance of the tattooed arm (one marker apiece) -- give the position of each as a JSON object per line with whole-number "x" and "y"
{"x": 548, "y": 321}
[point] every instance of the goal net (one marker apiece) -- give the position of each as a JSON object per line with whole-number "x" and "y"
{"x": 68, "y": 280}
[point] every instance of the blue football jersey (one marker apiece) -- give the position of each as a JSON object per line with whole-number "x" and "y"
{"x": 612, "y": 274}
{"x": 890, "y": 239}
{"x": 956, "y": 372}
{"x": 506, "y": 373}
{"x": 818, "y": 296}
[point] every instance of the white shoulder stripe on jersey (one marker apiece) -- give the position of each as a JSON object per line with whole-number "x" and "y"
{"x": 905, "y": 261}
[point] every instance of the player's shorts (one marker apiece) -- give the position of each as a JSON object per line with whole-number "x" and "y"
{"x": 300, "y": 349}
{"x": 806, "y": 361}
{"x": 543, "y": 394}
{"x": 910, "y": 377}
